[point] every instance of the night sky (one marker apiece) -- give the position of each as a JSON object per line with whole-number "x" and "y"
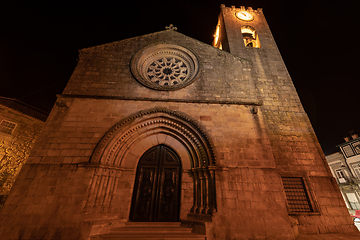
{"x": 318, "y": 41}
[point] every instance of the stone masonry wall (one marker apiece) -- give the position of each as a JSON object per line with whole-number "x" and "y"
{"x": 15, "y": 147}
{"x": 57, "y": 179}
{"x": 105, "y": 71}
{"x": 251, "y": 205}
{"x": 293, "y": 141}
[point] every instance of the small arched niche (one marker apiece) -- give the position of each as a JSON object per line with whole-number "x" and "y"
{"x": 250, "y": 37}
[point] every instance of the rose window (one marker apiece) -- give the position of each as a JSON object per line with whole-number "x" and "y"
{"x": 167, "y": 71}
{"x": 164, "y": 66}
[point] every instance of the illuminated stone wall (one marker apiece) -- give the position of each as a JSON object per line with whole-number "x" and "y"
{"x": 295, "y": 147}
{"x": 15, "y": 144}
{"x": 238, "y": 123}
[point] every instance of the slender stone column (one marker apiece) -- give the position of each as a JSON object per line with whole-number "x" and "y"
{"x": 92, "y": 195}
{"x": 195, "y": 186}
{"x": 212, "y": 191}
{"x": 200, "y": 191}
{"x": 206, "y": 191}
{"x": 102, "y": 189}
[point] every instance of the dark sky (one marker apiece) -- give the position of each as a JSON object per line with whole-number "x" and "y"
{"x": 318, "y": 40}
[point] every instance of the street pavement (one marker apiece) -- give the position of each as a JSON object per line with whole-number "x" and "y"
{"x": 357, "y": 224}
{"x": 343, "y": 236}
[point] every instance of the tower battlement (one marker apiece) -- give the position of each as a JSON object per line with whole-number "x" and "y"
{"x": 250, "y": 9}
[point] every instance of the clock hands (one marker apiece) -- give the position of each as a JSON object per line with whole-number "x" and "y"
{"x": 244, "y": 15}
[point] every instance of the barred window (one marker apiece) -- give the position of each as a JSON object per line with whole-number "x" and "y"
{"x": 357, "y": 170}
{"x": 7, "y": 127}
{"x": 296, "y": 195}
{"x": 356, "y": 146}
{"x": 340, "y": 173}
{"x": 348, "y": 151}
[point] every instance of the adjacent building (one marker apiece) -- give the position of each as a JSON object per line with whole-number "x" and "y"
{"x": 20, "y": 124}
{"x": 345, "y": 167}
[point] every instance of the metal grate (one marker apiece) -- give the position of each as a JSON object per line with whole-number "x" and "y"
{"x": 7, "y": 127}
{"x": 296, "y": 195}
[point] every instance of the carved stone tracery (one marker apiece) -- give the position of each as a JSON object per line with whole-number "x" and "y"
{"x": 167, "y": 71}
{"x": 164, "y": 66}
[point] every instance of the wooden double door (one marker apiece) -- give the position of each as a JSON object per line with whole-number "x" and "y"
{"x": 156, "y": 195}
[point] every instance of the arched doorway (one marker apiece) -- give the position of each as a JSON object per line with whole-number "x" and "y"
{"x": 118, "y": 153}
{"x": 156, "y": 194}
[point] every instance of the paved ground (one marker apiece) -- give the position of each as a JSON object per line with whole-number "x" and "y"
{"x": 357, "y": 224}
{"x": 353, "y": 236}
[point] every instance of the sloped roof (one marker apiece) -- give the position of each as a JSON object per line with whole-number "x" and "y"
{"x": 154, "y": 35}
{"x": 24, "y": 108}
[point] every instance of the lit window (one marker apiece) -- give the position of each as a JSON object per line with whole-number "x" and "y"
{"x": 7, "y": 127}
{"x": 340, "y": 173}
{"x": 357, "y": 170}
{"x": 216, "y": 42}
{"x": 348, "y": 151}
{"x": 217, "y": 34}
{"x": 356, "y": 146}
{"x": 250, "y": 37}
{"x": 296, "y": 195}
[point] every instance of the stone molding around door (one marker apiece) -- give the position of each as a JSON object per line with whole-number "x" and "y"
{"x": 123, "y": 145}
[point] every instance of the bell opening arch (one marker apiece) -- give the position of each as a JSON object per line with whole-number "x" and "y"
{"x": 127, "y": 141}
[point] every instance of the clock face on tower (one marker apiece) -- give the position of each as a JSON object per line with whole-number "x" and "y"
{"x": 244, "y": 15}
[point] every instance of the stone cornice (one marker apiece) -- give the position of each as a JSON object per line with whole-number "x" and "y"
{"x": 222, "y": 102}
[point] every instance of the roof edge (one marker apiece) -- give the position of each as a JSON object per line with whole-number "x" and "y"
{"x": 24, "y": 108}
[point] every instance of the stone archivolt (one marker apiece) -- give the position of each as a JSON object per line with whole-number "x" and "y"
{"x": 164, "y": 66}
{"x": 124, "y": 144}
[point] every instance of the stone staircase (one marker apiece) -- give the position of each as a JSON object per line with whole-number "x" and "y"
{"x": 150, "y": 230}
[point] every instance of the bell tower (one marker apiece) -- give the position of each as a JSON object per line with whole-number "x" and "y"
{"x": 240, "y": 29}
{"x": 244, "y": 32}
{"x": 299, "y": 160}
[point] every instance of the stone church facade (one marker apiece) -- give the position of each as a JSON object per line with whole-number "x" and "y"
{"x": 165, "y": 128}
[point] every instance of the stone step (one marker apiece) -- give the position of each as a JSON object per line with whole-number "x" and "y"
{"x": 150, "y": 230}
{"x": 153, "y": 224}
{"x": 109, "y": 236}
